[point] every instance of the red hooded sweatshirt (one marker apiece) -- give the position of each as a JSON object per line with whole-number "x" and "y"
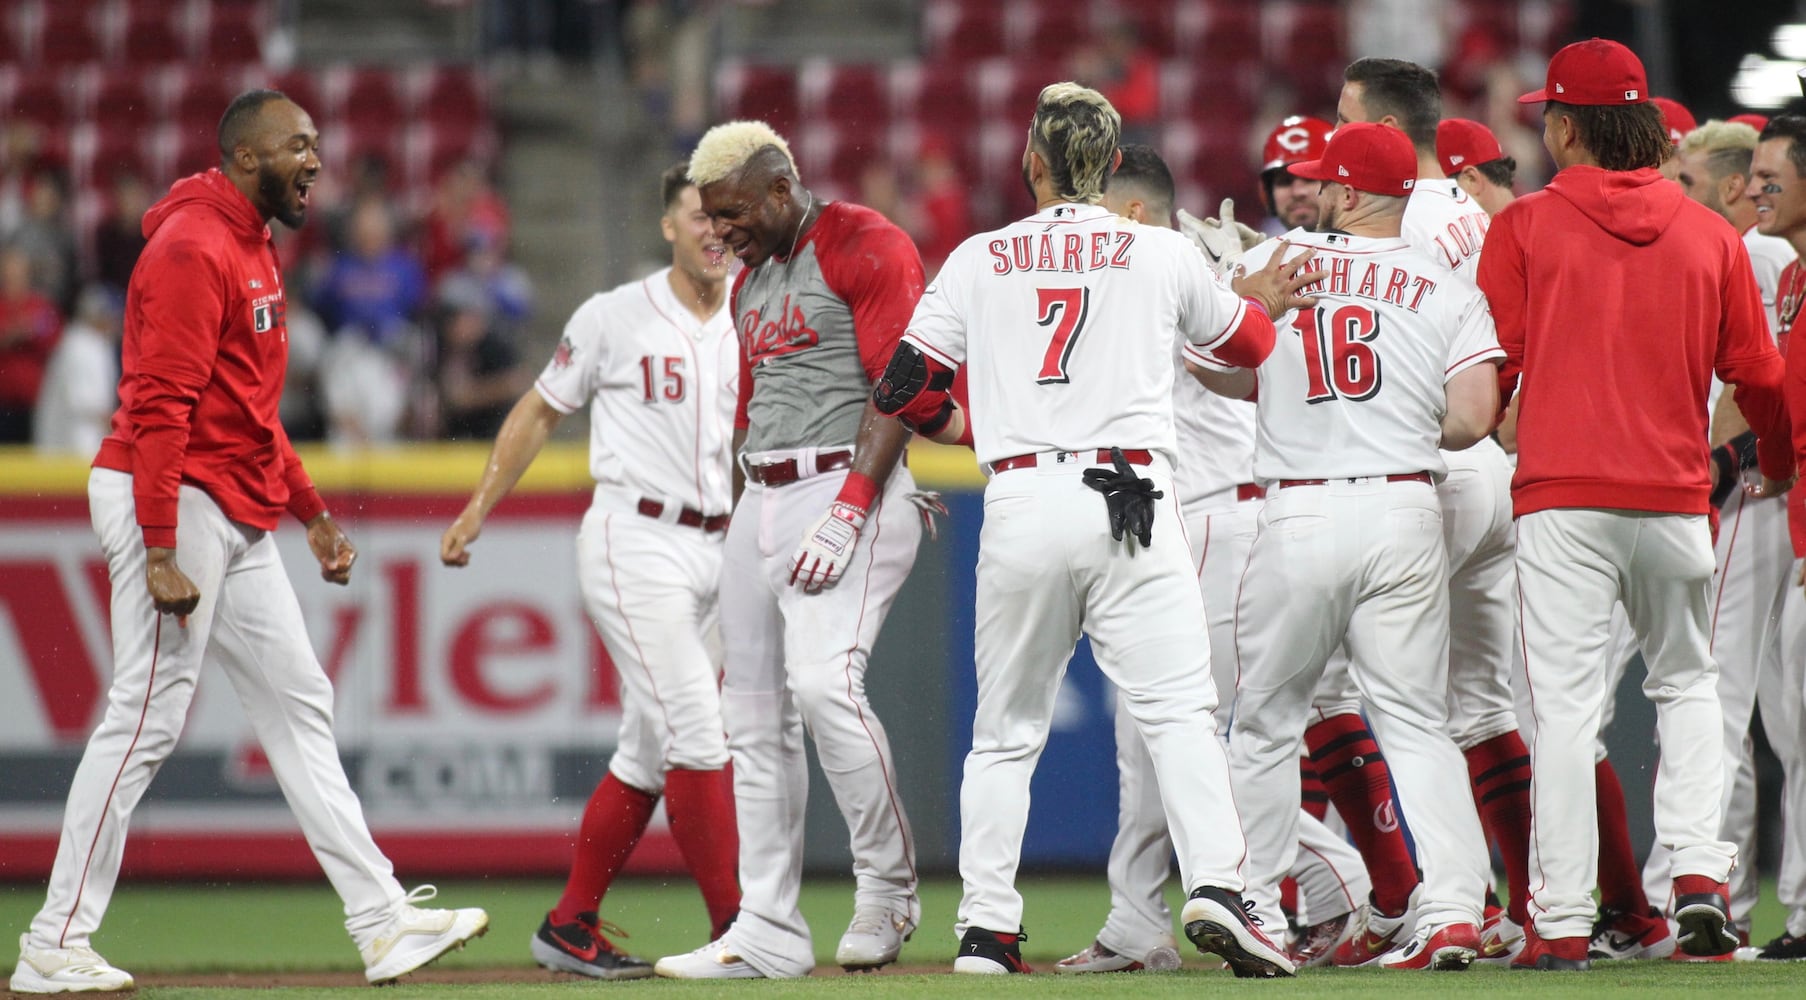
{"x": 1616, "y": 298}
{"x": 203, "y": 359}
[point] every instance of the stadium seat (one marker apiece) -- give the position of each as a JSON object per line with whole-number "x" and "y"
{"x": 1230, "y": 30}
{"x": 302, "y": 86}
{"x": 936, "y": 95}
{"x": 123, "y": 100}
{"x": 149, "y": 36}
{"x": 855, "y": 97}
{"x": 1048, "y": 32}
{"x": 98, "y": 154}
{"x": 369, "y": 98}
{"x": 197, "y": 98}
{"x": 1310, "y": 49}
{"x": 46, "y": 97}
{"x": 68, "y": 35}
{"x": 353, "y": 143}
{"x": 231, "y": 35}
{"x": 961, "y": 32}
{"x": 756, "y": 91}
{"x": 189, "y": 149}
{"x": 432, "y": 148}
{"x": 1166, "y": 27}
{"x": 451, "y": 94}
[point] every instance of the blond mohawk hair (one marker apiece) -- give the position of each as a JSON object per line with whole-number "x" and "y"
{"x": 727, "y": 147}
{"x": 1717, "y": 136}
{"x": 1076, "y": 130}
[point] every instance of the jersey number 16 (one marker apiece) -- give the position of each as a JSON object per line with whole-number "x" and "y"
{"x": 1339, "y": 360}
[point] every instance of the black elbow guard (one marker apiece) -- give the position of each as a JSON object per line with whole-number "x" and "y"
{"x": 907, "y": 375}
{"x": 937, "y": 423}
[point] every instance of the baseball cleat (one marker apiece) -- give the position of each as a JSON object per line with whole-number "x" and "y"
{"x": 413, "y": 937}
{"x": 1702, "y": 908}
{"x": 988, "y": 953}
{"x": 1620, "y": 936}
{"x": 579, "y": 947}
{"x": 1567, "y": 954}
{"x": 65, "y": 970}
{"x": 1316, "y": 944}
{"x": 1501, "y": 939}
{"x": 1376, "y": 933}
{"x": 1163, "y": 957}
{"x": 1448, "y": 948}
{"x": 1786, "y": 948}
{"x": 1220, "y": 923}
{"x": 876, "y": 935}
{"x": 711, "y": 961}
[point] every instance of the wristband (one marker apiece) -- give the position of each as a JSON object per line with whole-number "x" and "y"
{"x": 1258, "y": 307}
{"x": 860, "y": 490}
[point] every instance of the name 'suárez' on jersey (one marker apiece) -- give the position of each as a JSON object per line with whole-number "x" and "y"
{"x": 1064, "y": 253}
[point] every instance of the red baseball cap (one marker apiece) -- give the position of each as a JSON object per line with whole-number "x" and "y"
{"x": 1594, "y": 72}
{"x": 1755, "y": 121}
{"x": 1367, "y": 157}
{"x": 1299, "y": 137}
{"x": 1463, "y": 142}
{"x": 1676, "y": 118}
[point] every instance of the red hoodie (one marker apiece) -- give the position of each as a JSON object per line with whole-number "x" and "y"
{"x": 203, "y": 359}
{"x": 1616, "y": 297}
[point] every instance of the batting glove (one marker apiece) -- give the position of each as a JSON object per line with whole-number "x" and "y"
{"x": 828, "y": 545}
{"x": 1222, "y": 239}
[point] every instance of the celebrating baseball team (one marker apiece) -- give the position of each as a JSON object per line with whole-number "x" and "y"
{"x": 1357, "y": 514}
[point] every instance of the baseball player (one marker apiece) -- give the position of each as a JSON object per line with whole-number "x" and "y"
{"x": 1752, "y": 552}
{"x": 1065, "y": 323}
{"x": 1218, "y": 500}
{"x": 827, "y": 290}
{"x": 1394, "y": 359}
{"x": 1290, "y": 201}
{"x": 1471, "y": 156}
{"x": 1777, "y": 187}
{"x": 185, "y": 493}
{"x": 1619, "y": 512}
{"x": 657, "y": 362}
{"x": 1442, "y": 221}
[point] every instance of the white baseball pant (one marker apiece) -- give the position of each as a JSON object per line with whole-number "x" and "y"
{"x": 249, "y": 622}
{"x": 1757, "y": 668}
{"x": 1047, "y": 570}
{"x": 650, "y": 588}
{"x": 1331, "y": 877}
{"x": 795, "y": 659}
{"x": 1478, "y": 530}
{"x": 1360, "y": 562}
{"x": 1572, "y": 565}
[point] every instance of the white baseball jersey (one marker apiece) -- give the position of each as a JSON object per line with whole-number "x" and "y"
{"x": 667, "y": 434}
{"x": 1444, "y": 222}
{"x": 1355, "y": 385}
{"x": 1216, "y": 446}
{"x": 1019, "y": 302}
{"x": 1769, "y": 256}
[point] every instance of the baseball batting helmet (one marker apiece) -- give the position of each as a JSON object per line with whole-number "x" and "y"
{"x": 1298, "y": 138}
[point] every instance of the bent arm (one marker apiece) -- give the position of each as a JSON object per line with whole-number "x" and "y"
{"x": 1236, "y": 383}
{"x": 1473, "y": 406}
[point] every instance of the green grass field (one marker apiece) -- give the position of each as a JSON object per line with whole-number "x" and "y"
{"x": 249, "y": 938}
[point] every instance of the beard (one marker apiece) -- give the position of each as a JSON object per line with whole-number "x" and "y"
{"x": 277, "y": 194}
{"x": 1028, "y": 185}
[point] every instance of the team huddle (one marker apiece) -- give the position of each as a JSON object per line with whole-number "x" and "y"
{"x": 1366, "y": 515}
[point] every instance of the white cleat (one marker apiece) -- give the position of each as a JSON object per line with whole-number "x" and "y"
{"x": 711, "y": 961}
{"x": 876, "y": 935}
{"x": 1161, "y": 957}
{"x": 413, "y": 937}
{"x": 65, "y": 970}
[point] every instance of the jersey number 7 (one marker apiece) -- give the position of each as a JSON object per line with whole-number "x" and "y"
{"x": 1339, "y": 360}
{"x": 1065, "y": 310}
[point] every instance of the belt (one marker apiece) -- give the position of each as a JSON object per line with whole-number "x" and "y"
{"x": 789, "y": 471}
{"x": 1134, "y": 456}
{"x": 689, "y": 517}
{"x": 1249, "y": 491}
{"x": 1403, "y": 477}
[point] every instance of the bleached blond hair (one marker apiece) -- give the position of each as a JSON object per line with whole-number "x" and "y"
{"x": 728, "y": 147}
{"x": 1076, "y": 131}
{"x": 1729, "y": 147}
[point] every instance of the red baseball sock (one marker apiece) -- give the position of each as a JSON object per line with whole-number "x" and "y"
{"x": 1360, "y": 784}
{"x": 613, "y": 820}
{"x": 1314, "y": 798}
{"x": 1288, "y": 896}
{"x": 1620, "y": 880}
{"x": 1500, "y": 772}
{"x": 700, "y": 806}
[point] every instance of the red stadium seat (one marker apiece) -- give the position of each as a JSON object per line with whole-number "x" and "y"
{"x": 961, "y": 32}
{"x": 150, "y": 36}
{"x": 302, "y": 86}
{"x": 232, "y": 35}
{"x": 190, "y": 149}
{"x": 854, "y": 97}
{"x": 1230, "y": 30}
{"x": 451, "y": 94}
{"x": 197, "y": 99}
{"x": 123, "y": 100}
{"x": 1311, "y": 50}
{"x": 1048, "y": 32}
{"x": 765, "y": 93}
{"x": 1159, "y": 24}
{"x": 430, "y": 149}
{"x": 69, "y": 35}
{"x": 354, "y": 143}
{"x": 98, "y": 154}
{"x": 46, "y": 97}
{"x": 937, "y": 95}
{"x": 372, "y": 99}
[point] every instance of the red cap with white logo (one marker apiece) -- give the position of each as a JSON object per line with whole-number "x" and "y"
{"x": 1299, "y": 137}
{"x": 1594, "y": 72}
{"x": 1675, "y": 118}
{"x": 1367, "y": 157}
{"x": 1463, "y": 142}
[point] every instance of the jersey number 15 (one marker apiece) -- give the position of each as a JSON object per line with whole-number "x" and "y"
{"x": 668, "y": 385}
{"x": 1339, "y": 359}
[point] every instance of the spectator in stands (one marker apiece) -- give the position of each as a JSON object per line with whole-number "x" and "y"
{"x": 480, "y": 370}
{"x": 1128, "y": 74}
{"x": 119, "y": 238}
{"x": 29, "y": 329}
{"x": 466, "y": 211}
{"x": 47, "y": 237}
{"x": 942, "y": 214}
{"x": 509, "y": 289}
{"x": 374, "y": 288}
{"x": 81, "y": 383}
{"x": 302, "y": 413}
{"x": 368, "y": 181}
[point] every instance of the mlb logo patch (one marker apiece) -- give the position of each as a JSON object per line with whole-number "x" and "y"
{"x": 1630, "y": 95}
{"x": 263, "y": 318}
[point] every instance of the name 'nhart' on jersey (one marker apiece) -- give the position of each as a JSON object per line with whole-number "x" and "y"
{"x": 1400, "y": 288}
{"x": 1067, "y": 253}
